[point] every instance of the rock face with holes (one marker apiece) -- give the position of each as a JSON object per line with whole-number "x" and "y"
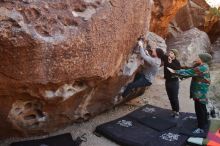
{"x": 163, "y": 12}
{"x": 63, "y": 61}
{"x": 190, "y": 43}
{"x": 27, "y": 114}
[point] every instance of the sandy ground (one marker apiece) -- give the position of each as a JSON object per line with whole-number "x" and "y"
{"x": 155, "y": 95}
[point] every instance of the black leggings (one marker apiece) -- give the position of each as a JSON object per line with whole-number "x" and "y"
{"x": 201, "y": 114}
{"x": 172, "y": 88}
{"x": 139, "y": 81}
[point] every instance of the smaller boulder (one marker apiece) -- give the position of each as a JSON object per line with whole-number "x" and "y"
{"x": 190, "y": 43}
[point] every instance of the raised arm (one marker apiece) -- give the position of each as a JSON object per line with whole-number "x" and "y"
{"x": 147, "y": 58}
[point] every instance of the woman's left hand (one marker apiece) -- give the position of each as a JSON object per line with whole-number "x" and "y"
{"x": 170, "y": 59}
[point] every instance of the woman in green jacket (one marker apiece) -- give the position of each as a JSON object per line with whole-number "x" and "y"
{"x": 199, "y": 88}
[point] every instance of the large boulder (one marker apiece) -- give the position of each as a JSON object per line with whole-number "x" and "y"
{"x": 64, "y": 61}
{"x": 190, "y": 43}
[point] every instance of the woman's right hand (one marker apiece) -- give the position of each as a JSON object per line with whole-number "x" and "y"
{"x": 171, "y": 70}
{"x": 141, "y": 43}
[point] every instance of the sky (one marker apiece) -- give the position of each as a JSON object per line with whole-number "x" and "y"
{"x": 213, "y": 3}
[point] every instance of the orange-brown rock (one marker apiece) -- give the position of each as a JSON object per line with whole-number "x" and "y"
{"x": 197, "y": 13}
{"x": 163, "y": 12}
{"x": 191, "y": 15}
{"x": 63, "y": 61}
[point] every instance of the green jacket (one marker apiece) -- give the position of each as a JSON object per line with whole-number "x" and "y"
{"x": 200, "y": 81}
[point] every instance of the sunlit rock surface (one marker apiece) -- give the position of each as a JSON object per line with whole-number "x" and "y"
{"x": 163, "y": 12}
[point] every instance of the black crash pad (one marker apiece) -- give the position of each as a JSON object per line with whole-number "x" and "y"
{"x": 149, "y": 109}
{"x": 59, "y": 140}
{"x": 127, "y": 131}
